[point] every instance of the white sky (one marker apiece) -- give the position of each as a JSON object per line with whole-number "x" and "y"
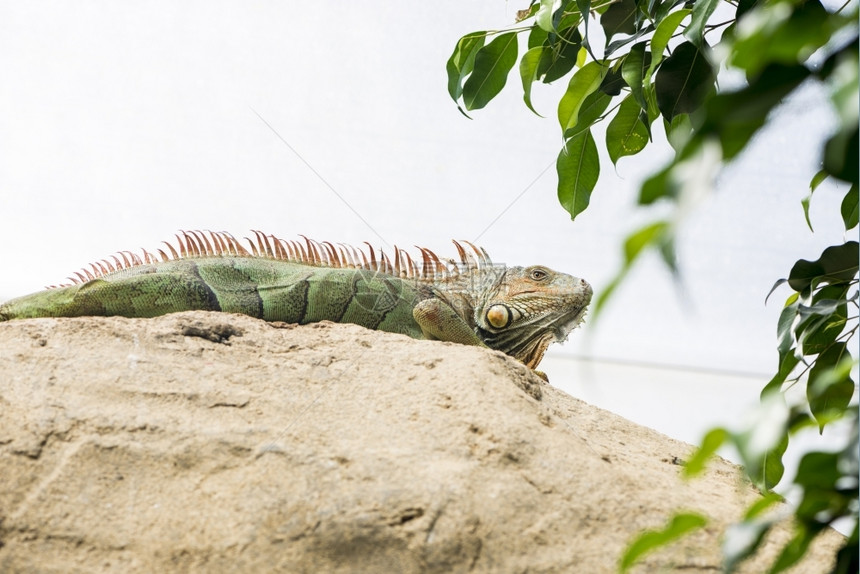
{"x": 124, "y": 122}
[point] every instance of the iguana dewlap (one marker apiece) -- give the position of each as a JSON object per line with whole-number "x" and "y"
{"x": 517, "y": 310}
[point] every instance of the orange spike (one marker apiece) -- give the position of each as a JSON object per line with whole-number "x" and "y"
{"x": 319, "y": 252}
{"x": 300, "y": 249}
{"x": 386, "y": 264}
{"x": 254, "y": 251}
{"x": 269, "y": 250}
{"x": 280, "y": 251}
{"x": 345, "y": 256}
{"x": 440, "y": 267}
{"x": 220, "y": 246}
{"x": 396, "y": 261}
{"x": 372, "y": 255}
{"x": 190, "y": 244}
{"x": 291, "y": 249}
{"x": 427, "y": 267}
{"x": 185, "y": 248}
{"x": 198, "y": 248}
{"x": 260, "y": 250}
{"x": 173, "y": 252}
{"x": 333, "y": 259}
{"x": 182, "y": 251}
{"x": 202, "y": 244}
{"x": 460, "y": 251}
{"x": 313, "y": 256}
{"x": 413, "y": 270}
{"x": 475, "y": 249}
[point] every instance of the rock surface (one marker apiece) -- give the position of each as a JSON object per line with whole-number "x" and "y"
{"x": 204, "y": 442}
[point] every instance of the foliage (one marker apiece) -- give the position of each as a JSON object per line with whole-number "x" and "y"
{"x": 658, "y": 59}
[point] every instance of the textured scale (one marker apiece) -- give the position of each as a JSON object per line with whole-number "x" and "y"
{"x": 519, "y": 311}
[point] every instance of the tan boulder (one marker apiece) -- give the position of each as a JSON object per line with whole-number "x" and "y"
{"x": 205, "y": 442}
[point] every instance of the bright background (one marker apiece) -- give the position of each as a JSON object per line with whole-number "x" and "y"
{"x": 124, "y": 122}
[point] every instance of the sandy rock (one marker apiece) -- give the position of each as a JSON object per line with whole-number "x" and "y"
{"x": 205, "y": 442}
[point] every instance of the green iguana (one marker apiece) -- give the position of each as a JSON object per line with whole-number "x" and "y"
{"x": 519, "y": 311}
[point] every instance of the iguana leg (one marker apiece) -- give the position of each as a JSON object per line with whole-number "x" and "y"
{"x": 439, "y": 321}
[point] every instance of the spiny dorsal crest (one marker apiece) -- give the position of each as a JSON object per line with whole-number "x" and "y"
{"x": 196, "y": 244}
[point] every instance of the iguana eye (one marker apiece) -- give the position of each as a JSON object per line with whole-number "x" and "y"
{"x": 538, "y": 274}
{"x": 499, "y": 316}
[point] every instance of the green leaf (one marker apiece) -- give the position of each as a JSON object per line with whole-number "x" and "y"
{"x": 626, "y": 134}
{"x": 589, "y": 113}
{"x": 461, "y": 62}
{"x": 528, "y": 74}
{"x": 537, "y": 36}
{"x": 680, "y": 525}
{"x": 679, "y": 131}
{"x": 614, "y": 46}
{"x": 545, "y": 13}
{"x": 772, "y": 467}
{"x": 655, "y": 187}
{"x": 664, "y": 32}
{"x": 837, "y": 264}
{"x": 578, "y": 167}
{"x": 767, "y": 500}
{"x": 772, "y": 289}
{"x": 819, "y": 470}
{"x": 619, "y": 18}
{"x": 823, "y": 321}
{"x": 804, "y": 203}
{"x": 848, "y": 557}
{"x": 849, "y": 208}
{"x": 633, "y": 71}
{"x": 830, "y": 387}
{"x": 745, "y": 6}
{"x": 788, "y": 361}
{"x": 736, "y": 116}
{"x": 841, "y": 155}
{"x": 683, "y": 81}
{"x": 584, "y": 9}
{"x": 784, "y": 331}
{"x": 652, "y": 234}
{"x": 817, "y": 179}
{"x": 490, "y": 73}
{"x": 782, "y": 34}
{"x": 612, "y": 82}
{"x": 702, "y": 10}
{"x": 585, "y": 81}
{"x": 714, "y": 439}
{"x": 559, "y": 55}
{"x": 793, "y": 551}
{"x": 657, "y": 234}
{"x": 741, "y": 541}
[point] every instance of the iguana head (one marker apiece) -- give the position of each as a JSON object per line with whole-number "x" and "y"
{"x": 530, "y": 308}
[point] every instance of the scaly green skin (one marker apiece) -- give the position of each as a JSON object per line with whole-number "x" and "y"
{"x": 514, "y": 310}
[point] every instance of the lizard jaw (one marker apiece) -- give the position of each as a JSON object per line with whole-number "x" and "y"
{"x": 564, "y": 328}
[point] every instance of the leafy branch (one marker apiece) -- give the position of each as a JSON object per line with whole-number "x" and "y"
{"x": 657, "y": 64}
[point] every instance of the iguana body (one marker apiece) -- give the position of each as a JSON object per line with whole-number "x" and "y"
{"x": 519, "y": 311}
